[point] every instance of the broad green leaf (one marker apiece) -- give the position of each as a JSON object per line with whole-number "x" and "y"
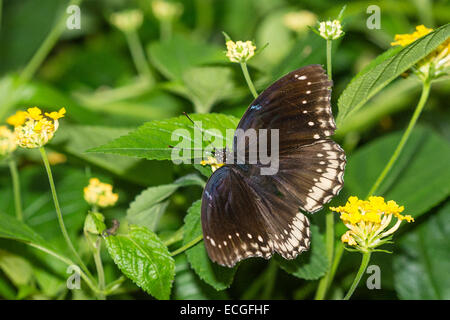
{"x": 18, "y": 270}
{"x": 49, "y": 284}
{"x": 213, "y": 274}
{"x": 418, "y": 180}
{"x": 205, "y": 86}
{"x": 421, "y": 267}
{"x": 143, "y": 258}
{"x": 11, "y": 228}
{"x": 148, "y": 207}
{"x": 310, "y": 265}
{"x": 76, "y": 139}
{"x": 174, "y": 57}
{"x": 385, "y": 69}
{"x": 188, "y": 286}
{"x": 153, "y": 139}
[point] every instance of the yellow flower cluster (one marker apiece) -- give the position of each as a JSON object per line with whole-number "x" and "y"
{"x": 436, "y": 62}
{"x": 240, "y": 51}
{"x": 166, "y": 11}
{"x": 8, "y": 142}
{"x": 33, "y": 129}
{"x": 128, "y": 20}
{"x": 299, "y": 21}
{"x": 100, "y": 194}
{"x": 213, "y": 163}
{"x": 368, "y": 220}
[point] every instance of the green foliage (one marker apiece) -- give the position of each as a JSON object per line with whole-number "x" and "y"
{"x": 143, "y": 258}
{"x": 419, "y": 178}
{"x": 381, "y": 71}
{"x": 423, "y": 258}
{"x": 153, "y": 139}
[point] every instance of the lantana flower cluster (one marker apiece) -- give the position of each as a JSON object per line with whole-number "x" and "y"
{"x": 100, "y": 194}
{"x": 127, "y": 20}
{"x": 436, "y": 63}
{"x": 240, "y": 51}
{"x": 368, "y": 221}
{"x": 33, "y": 129}
{"x": 8, "y": 141}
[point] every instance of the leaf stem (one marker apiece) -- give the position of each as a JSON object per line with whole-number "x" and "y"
{"x": 138, "y": 55}
{"x": 16, "y": 188}
{"x": 187, "y": 245}
{"x": 248, "y": 79}
{"x": 58, "y": 210}
{"x": 100, "y": 271}
{"x": 405, "y": 137}
{"x": 364, "y": 263}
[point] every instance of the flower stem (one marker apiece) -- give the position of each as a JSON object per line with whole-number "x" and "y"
{"x": 165, "y": 32}
{"x": 99, "y": 266}
{"x": 329, "y": 218}
{"x": 364, "y": 263}
{"x": 248, "y": 79}
{"x": 58, "y": 210}
{"x": 405, "y": 137}
{"x": 187, "y": 245}
{"x": 16, "y": 188}
{"x": 138, "y": 55}
{"x": 46, "y": 46}
{"x": 329, "y": 66}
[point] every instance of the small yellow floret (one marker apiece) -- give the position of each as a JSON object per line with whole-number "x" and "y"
{"x": 100, "y": 194}
{"x": 213, "y": 163}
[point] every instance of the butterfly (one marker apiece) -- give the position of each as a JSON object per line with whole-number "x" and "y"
{"x": 247, "y": 214}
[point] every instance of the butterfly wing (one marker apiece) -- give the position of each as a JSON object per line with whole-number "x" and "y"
{"x": 242, "y": 220}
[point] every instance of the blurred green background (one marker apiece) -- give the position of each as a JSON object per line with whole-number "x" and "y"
{"x": 91, "y": 73}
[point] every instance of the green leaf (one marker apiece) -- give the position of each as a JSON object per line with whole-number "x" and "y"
{"x": 421, "y": 267}
{"x": 143, "y": 258}
{"x": 174, "y": 57}
{"x": 153, "y": 139}
{"x": 213, "y": 274}
{"x": 205, "y": 86}
{"x": 386, "y": 68}
{"x": 147, "y": 208}
{"x": 18, "y": 270}
{"x": 419, "y": 178}
{"x": 310, "y": 265}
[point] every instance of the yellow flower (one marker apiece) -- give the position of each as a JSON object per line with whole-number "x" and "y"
{"x": 240, "y": 51}
{"x": 8, "y": 141}
{"x": 330, "y": 30}
{"x": 367, "y": 221}
{"x": 166, "y": 11}
{"x": 32, "y": 129}
{"x": 299, "y": 21}
{"x": 18, "y": 119}
{"x": 405, "y": 39}
{"x": 128, "y": 20}
{"x": 213, "y": 163}
{"x": 433, "y": 65}
{"x": 100, "y": 194}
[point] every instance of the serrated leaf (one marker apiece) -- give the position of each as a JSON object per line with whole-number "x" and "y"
{"x": 421, "y": 266}
{"x": 213, "y": 274}
{"x": 148, "y": 207}
{"x": 386, "y": 68}
{"x": 153, "y": 139}
{"x": 143, "y": 258}
{"x": 419, "y": 178}
{"x": 310, "y": 265}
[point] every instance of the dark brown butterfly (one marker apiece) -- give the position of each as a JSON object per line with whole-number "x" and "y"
{"x": 247, "y": 214}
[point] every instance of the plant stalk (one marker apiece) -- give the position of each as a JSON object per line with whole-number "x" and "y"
{"x": 16, "y": 188}
{"x": 138, "y": 55}
{"x": 187, "y": 245}
{"x": 364, "y": 263}
{"x": 248, "y": 79}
